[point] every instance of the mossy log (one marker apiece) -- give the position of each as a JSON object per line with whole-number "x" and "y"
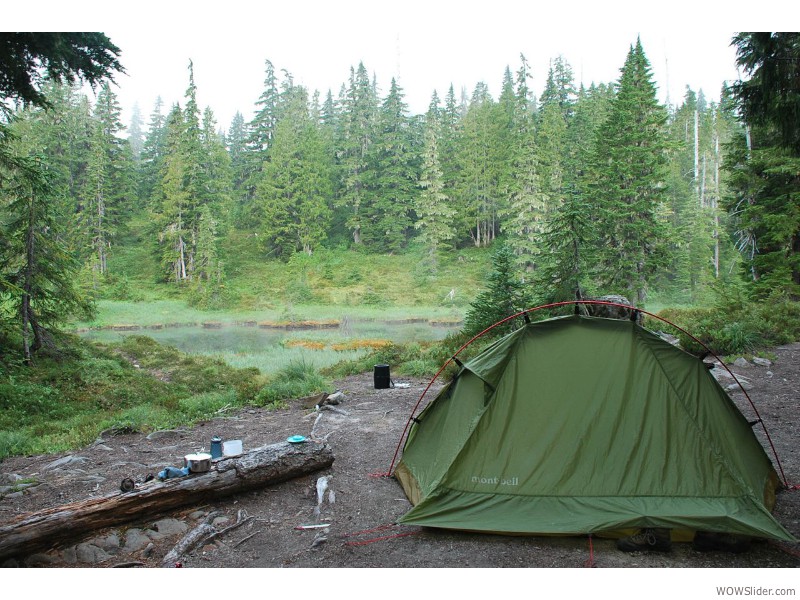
{"x": 255, "y": 469}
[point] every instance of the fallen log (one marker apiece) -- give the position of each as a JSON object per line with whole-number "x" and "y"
{"x": 255, "y": 469}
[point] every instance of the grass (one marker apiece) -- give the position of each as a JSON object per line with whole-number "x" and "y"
{"x": 136, "y": 385}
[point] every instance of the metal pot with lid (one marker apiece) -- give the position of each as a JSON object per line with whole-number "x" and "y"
{"x": 198, "y": 463}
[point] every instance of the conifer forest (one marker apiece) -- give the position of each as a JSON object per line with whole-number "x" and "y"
{"x": 593, "y": 190}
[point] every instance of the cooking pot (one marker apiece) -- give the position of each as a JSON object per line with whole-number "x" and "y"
{"x": 198, "y": 463}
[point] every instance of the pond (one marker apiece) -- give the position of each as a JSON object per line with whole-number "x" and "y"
{"x": 271, "y": 348}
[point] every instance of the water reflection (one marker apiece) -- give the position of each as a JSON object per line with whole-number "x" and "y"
{"x": 240, "y": 339}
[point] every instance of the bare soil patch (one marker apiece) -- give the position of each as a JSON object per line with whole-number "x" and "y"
{"x": 364, "y": 432}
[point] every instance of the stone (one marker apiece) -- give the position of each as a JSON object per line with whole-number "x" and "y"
{"x": 720, "y": 372}
{"x": 90, "y": 554}
{"x": 10, "y": 478}
{"x": 743, "y": 384}
{"x": 611, "y": 312}
{"x": 741, "y": 362}
{"x": 165, "y": 434}
{"x": 109, "y": 543}
{"x": 39, "y": 560}
{"x": 221, "y": 521}
{"x": 135, "y": 540}
{"x": 69, "y": 555}
{"x": 65, "y": 461}
{"x": 164, "y": 528}
{"x": 762, "y": 362}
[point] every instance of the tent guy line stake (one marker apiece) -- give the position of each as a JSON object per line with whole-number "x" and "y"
{"x": 633, "y": 310}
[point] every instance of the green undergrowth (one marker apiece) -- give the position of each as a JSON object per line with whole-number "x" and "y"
{"x": 137, "y": 385}
{"x": 735, "y": 325}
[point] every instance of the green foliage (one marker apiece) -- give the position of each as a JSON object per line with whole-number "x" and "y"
{"x": 764, "y": 169}
{"x": 200, "y": 406}
{"x": 28, "y": 59}
{"x": 626, "y": 185}
{"x": 736, "y": 325}
{"x": 297, "y": 380}
{"x": 63, "y": 404}
{"x": 505, "y": 295}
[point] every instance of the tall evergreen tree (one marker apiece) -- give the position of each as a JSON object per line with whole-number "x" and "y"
{"x": 359, "y": 111}
{"x": 37, "y": 269}
{"x": 135, "y": 133}
{"x": 627, "y": 182}
{"x": 152, "y": 156}
{"x": 175, "y": 214}
{"x": 394, "y": 174}
{"x": 524, "y": 220}
{"x": 236, "y": 142}
{"x": 108, "y": 184}
{"x": 435, "y": 213}
{"x": 764, "y": 165}
{"x": 295, "y": 189}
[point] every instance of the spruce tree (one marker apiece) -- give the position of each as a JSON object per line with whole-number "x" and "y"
{"x": 523, "y": 222}
{"x": 627, "y": 182}
{"x": 38, "y": 271}
{"x": 504, "y": 296}
{"x": 295, "y": 188}
{"x": 764, "y": 165}
{"x": 359, "y": 112}
{"x": 435, "y": 213}
{"x": 392, "y": 186}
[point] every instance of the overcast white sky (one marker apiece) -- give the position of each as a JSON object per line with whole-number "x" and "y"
{"x": 427, "y": 45}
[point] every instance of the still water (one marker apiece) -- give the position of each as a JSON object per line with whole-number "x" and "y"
{"x": 271, "y": 348}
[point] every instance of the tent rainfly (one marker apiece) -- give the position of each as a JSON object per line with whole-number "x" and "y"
{"x": 579, "y": 425}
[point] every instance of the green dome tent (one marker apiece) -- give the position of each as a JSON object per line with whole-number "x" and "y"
{"x": 580, "y": 425}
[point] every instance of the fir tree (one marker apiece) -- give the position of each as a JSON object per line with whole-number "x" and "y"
{"x": 435, "y": 213}
{"x": 37, "y": 269}
{"x": 504, "y": 296}
{"x": 764, "y": 166}
{"x": 359, "y": 110}
{"x": 627, "y": 182}
{"x": 394, "y": 174}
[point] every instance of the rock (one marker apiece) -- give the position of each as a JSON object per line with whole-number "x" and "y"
{"x": 90, "y": 554}
{"x": 135, "y": 540}
{"x": 11, "y": 563}
{"x": 65, "y": 461}
{"x": 611, "y": 312}
{"x": 167, "y": 528}
{"x": 9, "y": 478}
{"x": 743, "y": 384}
{"x": 165, "y": 434}
{"x": 109, "y": 543}
{"x": 720, "y": 372}
{"x": 39, "y": 560}
{"x": 69, "y": 555}
{"x": 220, "y": 521}
{"x": 762, "y": 362}
{"x": 741, "y": 362}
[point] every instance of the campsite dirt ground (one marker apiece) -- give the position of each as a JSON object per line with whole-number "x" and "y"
{"x": 364, "y": 436}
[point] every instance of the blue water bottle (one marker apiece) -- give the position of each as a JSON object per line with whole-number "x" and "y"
{"x": 216, "y": 447}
